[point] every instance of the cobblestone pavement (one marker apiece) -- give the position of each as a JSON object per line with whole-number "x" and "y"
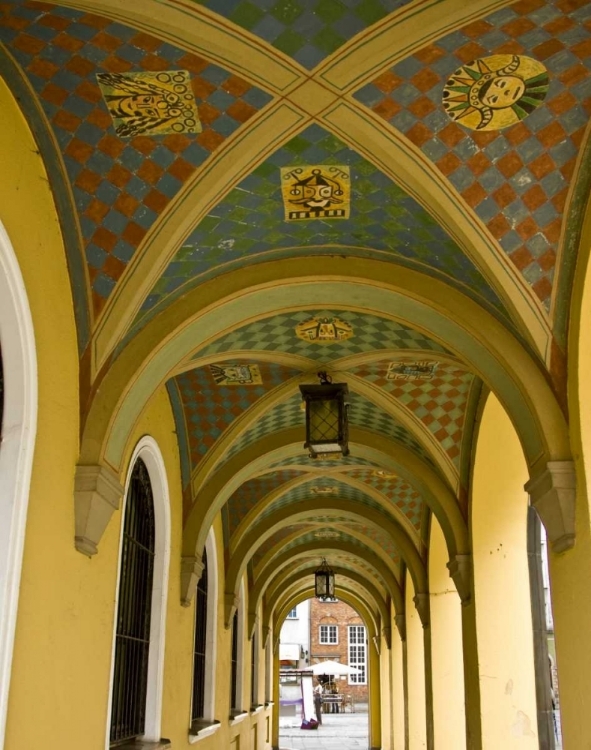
{"x": 337, "y": 732}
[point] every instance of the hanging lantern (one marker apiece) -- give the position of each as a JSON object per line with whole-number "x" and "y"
{"x": 327, "y": 430}
{"x": 324, "y": 582}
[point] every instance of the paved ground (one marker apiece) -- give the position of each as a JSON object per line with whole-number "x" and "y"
{"x": 337, "y": 732}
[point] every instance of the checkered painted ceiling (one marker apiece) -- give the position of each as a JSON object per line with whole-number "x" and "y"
{"x": 516, "y": 180}
{"x": 208, "y": 409}
{"x": 305, "y": 30}
{"x": 385, "y": 223}
{"x": 277, "y": 333}
{"x": 362, "y": 413}
{"x": 255, "y": 490}
{"x": 308, "y": 491}
{"x": 120, "y": 186}
{"x": 439, "y": 402}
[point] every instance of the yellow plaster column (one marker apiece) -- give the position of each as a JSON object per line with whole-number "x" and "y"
{"x": 415, "y": 659}
{"x": 501, "y": 584}
{"x": 471, "y": 676}
{"x": 397, "y": 662}
{"x": 375, "y": 701}
{"x": 446, "y": 648}
{"x": 570, "y": 572}
{"x": 386, "y": 702}
{"x": 275, "y": 678}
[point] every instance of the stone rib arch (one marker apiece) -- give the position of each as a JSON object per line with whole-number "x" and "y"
{"x": 433, "y": 490}
{"x": 369, "y": 516}
{"x": 499, "y": 359}
{"x": 384, "y": 575}
{"x": 284, "y": 584}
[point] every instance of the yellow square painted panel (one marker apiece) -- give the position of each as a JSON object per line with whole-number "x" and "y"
{"x": 150, "y": 103}
{"x": 236, "y": 374}
{"x": 318, "y": 192}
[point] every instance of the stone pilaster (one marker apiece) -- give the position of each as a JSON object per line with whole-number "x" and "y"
{"x": 97, "y": 495}
{"x": 400, "y": 621}
{"x": 460, "y": 570}
{"x": 553, "y": 495}
{"x": 422, "y": 604}
{"x": 191, "y": 572}
{"x": 231, "y": 602}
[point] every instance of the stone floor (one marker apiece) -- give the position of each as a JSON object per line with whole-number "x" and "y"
{"x": 337, "y": 732}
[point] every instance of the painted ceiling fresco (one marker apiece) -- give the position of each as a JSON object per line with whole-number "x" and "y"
{"x": 196, "y": 163}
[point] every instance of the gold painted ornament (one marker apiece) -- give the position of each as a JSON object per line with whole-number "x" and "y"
{"x": 494, "y": 92}
{"x": 324, "y": 330}
{"x": 150, "y": 103}
{"x": 319, "y": 192}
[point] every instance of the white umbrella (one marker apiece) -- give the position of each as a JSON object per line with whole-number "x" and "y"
{"x": 330, "y": 667}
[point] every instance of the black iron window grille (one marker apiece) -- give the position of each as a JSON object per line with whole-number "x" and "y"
{"x": 253, "y": 684}
{"x": 132, "y": 640}
{"x": 234, "y": 675}
{"x": 200, "y": 645}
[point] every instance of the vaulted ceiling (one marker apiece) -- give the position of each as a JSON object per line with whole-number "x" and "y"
{"x": 251, "y": 191}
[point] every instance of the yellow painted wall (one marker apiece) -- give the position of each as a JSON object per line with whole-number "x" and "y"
{"x": 63, "y": 648}
{"x": 397, "y": 709}
{"x": 387, "y": 705}
{"x": 570, "y": 572}
{"x": 417, "y": 718}
{"x": 449, "y": 718}
{"x": 501, "y": 582}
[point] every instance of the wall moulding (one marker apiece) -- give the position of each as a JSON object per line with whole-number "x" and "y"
{"x": 553, "y": 495}
{"x": 97, "y": 495}
{"x": 191, "y": 571}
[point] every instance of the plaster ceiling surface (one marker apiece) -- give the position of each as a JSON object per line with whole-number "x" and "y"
{"x": 408, "y": 177}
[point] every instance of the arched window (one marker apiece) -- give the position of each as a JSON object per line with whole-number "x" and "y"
{"x": 234, "y": 667}
{"x": 203, "y": 721}
{"x": 18, "y": 425}
{"x": 132, "y": 639}
{"x": 200, "y": 647}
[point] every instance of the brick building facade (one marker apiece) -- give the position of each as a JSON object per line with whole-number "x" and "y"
{"x": 337, "y": 632}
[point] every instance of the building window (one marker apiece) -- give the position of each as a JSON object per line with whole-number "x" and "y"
{"x": 200, "y": 649}
{"x": 329, "y": 634}
{"x": 234, "y": 665}
{"x": 132, "y": 638}
{"x": 357, "y": 654}
{"x": 253, "y": 672}
{"x": 292, "y": 614}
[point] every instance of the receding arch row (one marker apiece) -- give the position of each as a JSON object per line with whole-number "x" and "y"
{"x": 301, "y": 592}
{"x": 328, "y": 508}
{"x": 433, "y": 490}
{"x": 444, "y": 314}
{"x": 254, "y": 515}
{"x": 305, "y": 575}
{"x": 339, "y": 370}
{"x": 283, "y": 562}
{"x": 281, "y": 394}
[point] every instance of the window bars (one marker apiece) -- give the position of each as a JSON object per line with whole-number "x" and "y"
{"x": 200, "y": 645}
{"x": 132, "y": 639}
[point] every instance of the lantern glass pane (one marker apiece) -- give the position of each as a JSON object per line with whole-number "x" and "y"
{"x": 321, "y": 585}
{"x": 324, "y": 421}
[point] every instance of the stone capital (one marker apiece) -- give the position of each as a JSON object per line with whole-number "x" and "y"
{"x": 553, "y": 495}
{"x": 422, "y": 604}
{"x": 460, "y": 570}
{"x": 266, "y": 634}
{"x": 231, "y": 602}
{"x": 252, "y": 623}
{"x": 400, "y": 621}
{"x": 387, "y": 635}
{"x": 191, "y": 572}
{"x": 97, "y": 495}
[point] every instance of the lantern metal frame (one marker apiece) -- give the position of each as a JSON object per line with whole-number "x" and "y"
{"x": 324, "y": 582}
{"x": 327, "y": 429}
